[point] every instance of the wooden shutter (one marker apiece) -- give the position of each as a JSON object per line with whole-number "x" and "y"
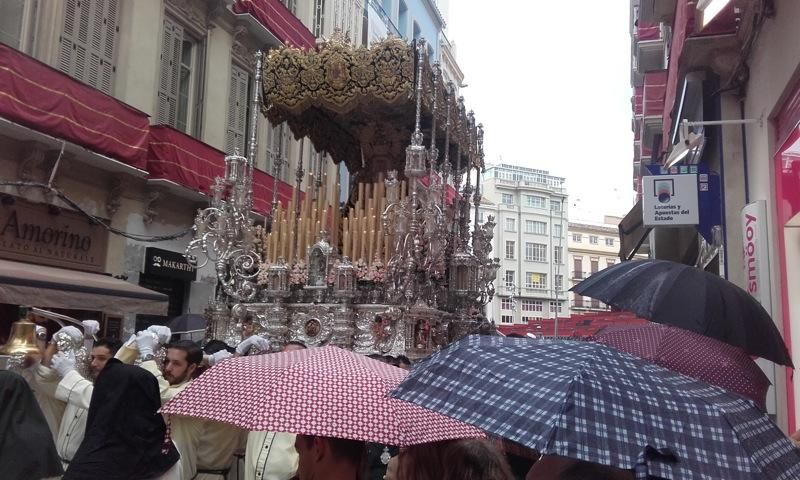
{"x": 170, "y": 73}
{"x": 236, "y": 134}
{"x": 87, "y": 41}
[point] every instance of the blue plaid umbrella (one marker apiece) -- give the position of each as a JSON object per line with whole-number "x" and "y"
{"x": 591, "y": 402}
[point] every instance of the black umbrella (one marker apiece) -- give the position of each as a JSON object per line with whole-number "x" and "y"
{"x": 188, "y": 322}
{"x": 689, "y": 298}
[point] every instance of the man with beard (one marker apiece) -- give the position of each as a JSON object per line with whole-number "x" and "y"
{"x": 63, "y": 383}
{"x": 206, "y": 447}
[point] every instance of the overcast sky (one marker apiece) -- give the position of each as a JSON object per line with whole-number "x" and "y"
{"x": 550, "y": 81}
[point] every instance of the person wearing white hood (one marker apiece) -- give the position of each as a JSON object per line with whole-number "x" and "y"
{"x": 63, "y": 382}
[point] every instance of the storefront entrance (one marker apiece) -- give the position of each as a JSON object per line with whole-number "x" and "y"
{"x": 169, "y": 273}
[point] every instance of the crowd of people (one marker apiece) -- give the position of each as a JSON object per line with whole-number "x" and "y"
{"x": 59, "y": 420}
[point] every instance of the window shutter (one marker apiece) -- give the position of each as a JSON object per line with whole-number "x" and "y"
{"x": 237, "y": 111}
{"x": 86, "y": 50}
{"x": 170, "y": 73}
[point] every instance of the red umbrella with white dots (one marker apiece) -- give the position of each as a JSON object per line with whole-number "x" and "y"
{"x": 693, "y": 355}
{"x": 324, "y": 391}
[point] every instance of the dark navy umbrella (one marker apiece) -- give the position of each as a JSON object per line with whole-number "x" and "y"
{"x": 689, "y": 298}
{"x": 188, "y": 322}
{"x": 588, "y": 401}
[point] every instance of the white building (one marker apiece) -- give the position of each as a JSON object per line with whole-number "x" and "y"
{"x": 529, "y": 207}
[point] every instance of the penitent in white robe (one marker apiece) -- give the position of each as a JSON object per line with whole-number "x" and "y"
{"x": 270, "y": 456}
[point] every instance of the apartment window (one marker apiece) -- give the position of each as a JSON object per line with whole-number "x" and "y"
{"x": 511, "y": 224}
{"x": 595, "y": 265}
{"x": 593, "y": 239}
{"x": 291, "y": 5}
{"x": 535, "y": 201}
{"x": 532, "y": 306}
{"x": 506, "y": 319}
{"x": 609, "y": 242}
{"x": 507, "y": 304}
{"x": 557, "y": 231}
{"x": 535, "y": 252}
{"x": 555, "y": 205}
{"x": 238, "y": 112}
{"x": 277, "y": 147}
{"x": 577, "y": 238}
{"x": 87, "y": 42}
{"x": 579, "y": 301}
{"x": 577, "y": 267}
{"x": 537, "y": 228}
{"x": 558, "y": 256}
{"x": 610, "y": 263}
{"x": 402, "y": 19}
{"x": 510, "y": 250}
{"x": 536, "y": 280}
{"x": 556, "y": 307}
{"x": 319, "y": 17}
{"x": 11, "y": 18}
{"x": 509, "y": 279}
{"x": 595, "y": 303}
{"x": 180, "y": 87}
{"x": 559, "y": 282}
{"x": 507, "y": 199}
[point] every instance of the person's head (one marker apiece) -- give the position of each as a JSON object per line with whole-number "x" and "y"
{"x": 326, "y": 457}
{"x": 183, "y": 358}
{"x": 102, "y": 351}
{"x": 293, "y": 346}
{"x": 214, "y": 346}
{"x": 554, "y": 467}
{"x": 465, "y": 459}
{"x": 403, "y": 362}
{"x": 391, "y": 360}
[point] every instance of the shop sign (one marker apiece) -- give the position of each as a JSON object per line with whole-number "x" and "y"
{"x": 670, "y": 200}
{"x": 45, "y": 235}
{"x": 166, "y": 263}
{"x": 756, "y": 252}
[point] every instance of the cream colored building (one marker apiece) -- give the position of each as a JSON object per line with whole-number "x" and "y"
{"x": 186, "y": 64}
{"x": 591, "y": 247}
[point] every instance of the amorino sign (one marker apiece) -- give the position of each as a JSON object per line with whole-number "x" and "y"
{"x": 39, "y": 233}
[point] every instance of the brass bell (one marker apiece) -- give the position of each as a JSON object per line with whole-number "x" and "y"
{"x": 22, "y": 340}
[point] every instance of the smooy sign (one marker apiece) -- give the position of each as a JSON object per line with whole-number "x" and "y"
{"x": 756, "y": 252}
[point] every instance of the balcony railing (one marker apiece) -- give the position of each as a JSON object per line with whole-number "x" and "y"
{"x": 579, "y": 275}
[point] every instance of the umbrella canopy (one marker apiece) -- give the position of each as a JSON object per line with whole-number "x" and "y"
{"x": 693, "y": 355}
{"x": 319, "y": 391}
{"x": 188, "y": 322}
{"x": 687, "y": 297}
{"x": 588, "y": 401}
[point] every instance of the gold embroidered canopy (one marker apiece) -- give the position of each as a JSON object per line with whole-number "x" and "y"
{"x": 358, "y": 105}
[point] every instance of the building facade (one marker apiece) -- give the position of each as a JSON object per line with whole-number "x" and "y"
{"x": 591, "y": 248}
{"x": 735, "y": 64}
{"x": 529, "y": 207}
{"x": 127, "y": 108}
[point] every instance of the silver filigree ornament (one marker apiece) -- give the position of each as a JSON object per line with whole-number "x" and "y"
{"x": 69, "y": 345}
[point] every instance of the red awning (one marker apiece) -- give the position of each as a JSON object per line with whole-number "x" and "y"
{"x": 278, "y": 20}
{"x": 638, "y": 99}
{"x": 180, "y": 158}
{"x": 577, "y": 325}
{"x": 647, "y": 31}
{"x": 655, "y": 84}
{"x": 46, "y": 100}
{"x": 682, "y": 28}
